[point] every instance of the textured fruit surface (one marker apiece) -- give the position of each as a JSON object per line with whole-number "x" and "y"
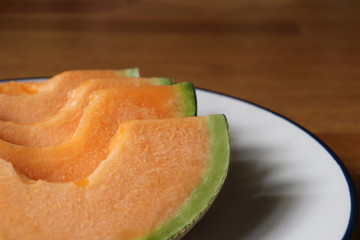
{"x": 159, "y": 177}
{"x": 61, "y": 126}
{"x": 30, "y": 108}
{"x": 75, "y": 158}
{"x": 73, "y": 78}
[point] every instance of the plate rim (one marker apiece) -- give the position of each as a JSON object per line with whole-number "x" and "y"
{"x": 24, "y": 79}
{"x": 354, "y": 208}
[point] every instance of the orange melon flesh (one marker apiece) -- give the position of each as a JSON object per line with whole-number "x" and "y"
{"x": 161, "y": 176}
{"x": 68, "y": 79}
{"x": 37, "y": 107}
{"x": 75, "y": 158}
{"x": 59, "y": 127}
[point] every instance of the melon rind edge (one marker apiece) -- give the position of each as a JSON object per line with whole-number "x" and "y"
{"x": 204, "y": 195}
{"x": 162, "y": 81}
{"x": 131, "y": 72}
{"x": 187, "y": 90}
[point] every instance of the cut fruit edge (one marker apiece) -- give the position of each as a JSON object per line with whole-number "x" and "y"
{"x": 203, "y": 196}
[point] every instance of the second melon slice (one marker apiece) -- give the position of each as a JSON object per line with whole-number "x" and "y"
{"x": 77, "y": 157}
{"x": 67, "y": 79}
{"x": 59, "y": 127}
{"x": 32, "y": 108}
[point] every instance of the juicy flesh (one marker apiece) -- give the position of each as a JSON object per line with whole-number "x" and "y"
{"x": 59, "y": 127}
{"x": 73, "y": 78}
{"x": 19, "y": 88}
{"x": 154, "y": 165}
{"x": 77, "y": 157}
{"x": 52, "y": 95}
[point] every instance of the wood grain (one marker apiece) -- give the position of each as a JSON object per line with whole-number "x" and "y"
{"x": 298, "y": 58}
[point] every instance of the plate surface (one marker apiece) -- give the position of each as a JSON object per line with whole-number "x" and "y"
{"x": 283, "y": 183}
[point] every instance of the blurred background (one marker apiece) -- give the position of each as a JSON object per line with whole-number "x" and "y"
{"x": 300, "y": 58}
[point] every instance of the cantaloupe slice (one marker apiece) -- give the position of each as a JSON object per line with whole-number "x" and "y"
{"x": 59, "y": 127}
{"x": 160, "y": 177}
{"x": 32, "y": 108}
{"x": 77, "y": 157}
{"x": 70, "y": 78}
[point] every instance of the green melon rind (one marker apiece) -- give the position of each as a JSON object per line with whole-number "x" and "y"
{"x": 131, "y": 72}
{"x": 188, "y": 94}
{"x": 203, "y": 196}
{"x": 162, "y": 81}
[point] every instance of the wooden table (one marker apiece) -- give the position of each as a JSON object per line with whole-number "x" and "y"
{"x": 298, "y": 58}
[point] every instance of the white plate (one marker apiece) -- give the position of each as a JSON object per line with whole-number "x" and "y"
{"x": 283, "y": 183}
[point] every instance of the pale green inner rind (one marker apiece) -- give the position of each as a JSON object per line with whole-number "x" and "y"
{"x": 202, "y": 197}
{"x": 131, "y": 72}
{"x": 187, "y": 91}
{"x": 162, "y": 81}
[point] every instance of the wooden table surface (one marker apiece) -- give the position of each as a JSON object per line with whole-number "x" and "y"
{"x": 298, "y": 58}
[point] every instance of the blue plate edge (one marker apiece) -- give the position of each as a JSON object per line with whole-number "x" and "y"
{"x": 353, "y": 219}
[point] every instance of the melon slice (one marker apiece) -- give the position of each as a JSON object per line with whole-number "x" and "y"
{"x": 59, "y": 127}
{"x": 32, "y": 108}
{"x": 77, "y": 157}
{"x": 159, "y": 178}
{"x": 69, "y": 78}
